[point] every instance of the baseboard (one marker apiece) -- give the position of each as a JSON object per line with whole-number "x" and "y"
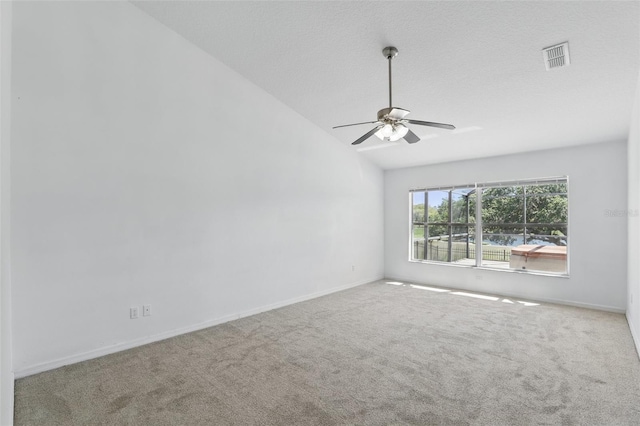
{"x": 107, "y": 350}
{"x": 634, "y": 335}
{"x": 536, "y": 299}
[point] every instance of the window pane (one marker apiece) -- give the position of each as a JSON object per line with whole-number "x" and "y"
{"x": 417, "y": 229}
{"x": 438, "y": 232}
{"x": 438, "y": 206}
{"x": 547, "y": 208}
{"x": 418, "y": 206}
{"x": 473, "y": 199}
{"x": 463, "y": 248}
{"x": 496, "y": 255}
{"x": 503, "y": 235}
{"x": 417, "y": 242}
{"x": 503, "y": 205}
{"x": 534, "y": 239}
{"x": 555, "y": 235}
{"x": 497, "y": 243}
{"x": 461, "y": 211}
{"x": 438, "y": 244}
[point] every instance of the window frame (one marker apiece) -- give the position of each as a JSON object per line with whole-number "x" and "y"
{"x": 479, "y": 226}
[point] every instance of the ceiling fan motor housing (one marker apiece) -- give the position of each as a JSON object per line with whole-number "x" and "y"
{"x": 390, "y": 52}
{"x": 391, "y": 114}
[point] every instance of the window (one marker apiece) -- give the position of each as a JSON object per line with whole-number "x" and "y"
{"x": 522, "y": 225}
{"x": 447, "y": 230}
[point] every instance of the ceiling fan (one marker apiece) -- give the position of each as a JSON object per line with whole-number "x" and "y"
{"x": 391, "y": 121}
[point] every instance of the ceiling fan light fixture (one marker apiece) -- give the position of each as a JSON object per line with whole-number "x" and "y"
{"x": 392, "y": 132}
{"x": 387, "y": 130}
{"x": 399, "y": 133}
{"x": 402, "y": 130}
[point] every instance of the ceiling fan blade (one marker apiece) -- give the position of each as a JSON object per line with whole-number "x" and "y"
{"x": 430, "y": 124}
{"x": 411, "y": 137}
{"x": 355, "y": 124}
{"x": 366, "y": 136}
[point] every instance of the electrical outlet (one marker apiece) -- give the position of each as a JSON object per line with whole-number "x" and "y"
{"x": 133, "y": 312}
{"x": 632, "y": 298}
{"x": 479, "y": 277}
{"x": 146, "y": 310}
{"x": 353, "y": 268}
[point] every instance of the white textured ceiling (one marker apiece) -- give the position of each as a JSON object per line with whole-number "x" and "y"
{"x": 469, "y": 63}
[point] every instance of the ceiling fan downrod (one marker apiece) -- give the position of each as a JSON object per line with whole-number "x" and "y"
{"x": 390, "y": 52}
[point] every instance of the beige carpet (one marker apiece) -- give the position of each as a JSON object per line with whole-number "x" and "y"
{"x": 377, "y": 354}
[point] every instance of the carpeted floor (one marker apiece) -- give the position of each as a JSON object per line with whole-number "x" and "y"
{"x": 377, "y": 354}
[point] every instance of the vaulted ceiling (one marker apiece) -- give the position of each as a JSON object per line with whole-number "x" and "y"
{"x": 475, "y": 64}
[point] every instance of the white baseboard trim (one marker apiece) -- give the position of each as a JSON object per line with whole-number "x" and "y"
{"x": 107, "y": 350}
{"x": 634, "y": 335}
{"x": 527, "y": 298}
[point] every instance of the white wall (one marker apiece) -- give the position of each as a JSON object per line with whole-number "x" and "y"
{"x": 633, "y": 251}
{"x": 598, "y": 265}
{"x": 6, "y": 365}
{"x": 146, "y": 172}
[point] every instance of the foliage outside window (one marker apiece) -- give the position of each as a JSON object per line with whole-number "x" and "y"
{"x": 449, "y": 227}
{"x": 521, "y": 225}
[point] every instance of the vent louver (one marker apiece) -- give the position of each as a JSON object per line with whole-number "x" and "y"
{"x": 556, "y": 56}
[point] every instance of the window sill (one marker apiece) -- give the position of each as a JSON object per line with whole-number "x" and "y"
{"x": 489, "y": 268}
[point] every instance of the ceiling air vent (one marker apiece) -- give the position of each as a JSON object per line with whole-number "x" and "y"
{"x": 556, "y": 56}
